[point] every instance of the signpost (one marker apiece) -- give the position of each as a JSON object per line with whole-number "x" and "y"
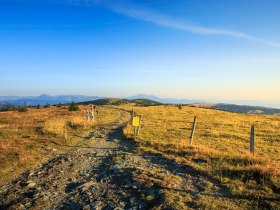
{"x": 136, "y": 123}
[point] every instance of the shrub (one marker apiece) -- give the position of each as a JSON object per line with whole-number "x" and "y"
{"x": 73, "y": 107}
{"x": 7, "y": 108}
{"x": 22, "y": 109}
{"x": 47, "y": 105}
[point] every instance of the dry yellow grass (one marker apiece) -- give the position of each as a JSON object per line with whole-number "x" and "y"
{"x": 56, "y": 126}
{"x": 26, "y": 138}
{"x": 219, "y": 131}
{"x": 220, "y": 147}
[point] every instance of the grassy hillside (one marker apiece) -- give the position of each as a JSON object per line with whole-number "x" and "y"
{"x": 246, "y": 109}
{"x": 117, "y": 101}
{"x": 221, "y": 149}
{"x": 145, "y": 102}
{"x": 26, "y": 138}
{"x": 240, "y": 108}
{"x": 107, "y": 101}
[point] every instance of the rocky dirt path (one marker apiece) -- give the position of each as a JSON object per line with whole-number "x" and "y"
{"x": 108, "y": 172}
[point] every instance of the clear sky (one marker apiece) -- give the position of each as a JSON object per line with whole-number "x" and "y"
{"x": 196, "y": 49}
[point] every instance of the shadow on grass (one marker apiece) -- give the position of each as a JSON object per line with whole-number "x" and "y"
{"x": 175, "y": 168}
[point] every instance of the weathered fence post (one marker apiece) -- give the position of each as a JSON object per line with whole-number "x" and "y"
{"x": 193, "y": 130}
{"x": 139, "y": 127}
{"x": 88, "y": 115}
{"x": 132, "y": 115}
{"x": 91, "y": 113}
{"x": 135, "y": 132}
{"x": 252, "y": 140}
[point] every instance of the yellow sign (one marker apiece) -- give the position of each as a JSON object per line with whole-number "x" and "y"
{"x": 135, "y": 121}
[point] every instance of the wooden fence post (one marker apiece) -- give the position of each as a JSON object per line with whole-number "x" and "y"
{"x": 252, "y": 140}
{"x": 135, "y": 132}
{"x": 90, "y": 113}
{"x": 139, "y": 127}
{"x": 132, "y": 115}
{"x": 193, "y": 130}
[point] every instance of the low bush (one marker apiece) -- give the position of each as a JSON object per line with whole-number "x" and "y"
{"x": 22, "y": 109}
{"x": 73, "y": 107}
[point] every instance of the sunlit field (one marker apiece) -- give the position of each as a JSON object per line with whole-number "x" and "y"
{"x": 27, "y": 138}
{"x": 220, "y": 146}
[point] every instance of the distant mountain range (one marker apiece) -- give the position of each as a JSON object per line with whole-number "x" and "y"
{"x": 140, "y": 99}
{"x": 44, "y": 99}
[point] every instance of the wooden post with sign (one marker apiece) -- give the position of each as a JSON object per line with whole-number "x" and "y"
{"x": 252, "y": 140}
{"x": 139, "y": 127}
{"x": 193, "y": 130}
{"x": 135, "y": 132}
{"x": 135, "y": 124}
{"x": 132, "y": 115}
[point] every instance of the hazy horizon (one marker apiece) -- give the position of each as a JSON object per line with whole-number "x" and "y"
{"x": 252, "y": 102}
{"x": 202, "y": 50}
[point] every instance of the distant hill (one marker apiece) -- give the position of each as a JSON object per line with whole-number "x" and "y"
{"x": 220, "y": 106}
{"x": 164, "y": 100}
{"x": 43, "y": 99}
{"x": 117, "y": 101}
{"x": 246, "y": 109}
{"x": 146, "y": 102}
{"x": 240, "y": 108}
{"x": 106, "y": 101}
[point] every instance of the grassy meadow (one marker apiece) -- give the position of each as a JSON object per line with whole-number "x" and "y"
{"x": 220, "y": 147}
{"x": 27, "y": 138}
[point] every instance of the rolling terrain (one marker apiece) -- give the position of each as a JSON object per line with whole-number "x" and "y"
{"x": 140, "y": 100}
{"x": 117, "y": 101}
{"x": 241, "y": 108}
{"x": 58, "y": 160}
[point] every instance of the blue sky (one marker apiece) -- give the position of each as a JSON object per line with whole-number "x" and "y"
{"x": 211, "y": 50}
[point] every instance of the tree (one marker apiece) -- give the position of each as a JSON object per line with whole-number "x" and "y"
{"x": 47, "y": 105}
{"x": 73, "y": 107}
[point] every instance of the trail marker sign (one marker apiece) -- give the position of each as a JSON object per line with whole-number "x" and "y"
{"x": 136, "y": 121}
